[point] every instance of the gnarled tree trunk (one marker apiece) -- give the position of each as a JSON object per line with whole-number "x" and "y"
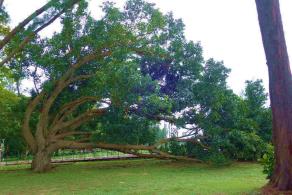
{"x": 280, "y": 90}
{"x": 41, "y": 161}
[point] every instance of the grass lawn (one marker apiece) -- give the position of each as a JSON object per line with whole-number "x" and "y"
{"x": 134, "y": 177}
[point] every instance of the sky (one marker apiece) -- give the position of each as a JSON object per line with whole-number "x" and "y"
{"x": 227, "y": 29}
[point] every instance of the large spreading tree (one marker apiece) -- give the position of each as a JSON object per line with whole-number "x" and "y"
{"x": 93, "y": 69}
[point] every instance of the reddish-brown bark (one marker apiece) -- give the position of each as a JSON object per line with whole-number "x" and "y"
{"x": 280, "y": 86}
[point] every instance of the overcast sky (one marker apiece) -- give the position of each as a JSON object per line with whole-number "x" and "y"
{"x": 227, "y": 29}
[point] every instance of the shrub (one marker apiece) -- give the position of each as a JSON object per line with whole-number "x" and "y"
{"x": 177, "y": 148}
{"x": 244, "y": 146}
{"x": 268, "y": 161}
{"x": 218, "y": 159}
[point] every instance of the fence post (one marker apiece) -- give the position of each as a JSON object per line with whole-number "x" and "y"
{"x": 5, "y": 158}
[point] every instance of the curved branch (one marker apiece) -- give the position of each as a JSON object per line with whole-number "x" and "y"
{"x": 78, "y": 121}
{"x": 28, "y": 38}
{"x": 60, "y": 85}
{"x": 80, "y": 78}
{"x": 170, "y": 119}
{"x": 66, "y": 134}
{"x": 70, "y": 107}
{"x": 21, "y": 25}
{"x": 26, "y": 131}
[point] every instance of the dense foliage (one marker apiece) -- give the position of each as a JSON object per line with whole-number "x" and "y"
{"x": 12, "y": 110}
{"x": 268, "y": 161}
{"x": 237, "y": 127}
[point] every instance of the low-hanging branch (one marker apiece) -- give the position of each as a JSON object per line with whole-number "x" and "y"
{"x": 154, "y": 151}
{"x": 129, "y": 149}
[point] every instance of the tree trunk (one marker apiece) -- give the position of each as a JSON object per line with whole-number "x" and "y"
{"x": 280, "y": 86}
{"x": 41, "y": 162}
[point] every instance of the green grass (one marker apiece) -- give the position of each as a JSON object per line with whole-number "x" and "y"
{"x": 134, "y": 177}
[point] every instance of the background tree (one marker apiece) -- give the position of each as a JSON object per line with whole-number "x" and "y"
{"x": 259, "y": 115}
{"x": 11, "y": 114}
{"x": 219, "y": 122}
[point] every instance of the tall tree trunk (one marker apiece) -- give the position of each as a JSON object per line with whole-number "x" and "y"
{"x": 280, "y": 86}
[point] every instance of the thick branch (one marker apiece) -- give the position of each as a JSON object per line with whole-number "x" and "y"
{"x": 78, "y": 121}
{"x": 66, "y": 134}
{"x": 28, "y": 38}
{"x": 66, "y": 79}
{"x": 21, "y": 25}
{"x": 80, "y": 78}
{"x": 183, "y": 139}
{"x": 26, "y": 131}
{"x": 70, "y": 107}
{"x": 62, "y": 144}
{"x": 169, "y": 119}
{"x": 130, "y": 149}
{"x": 162, "y": 155}
{"x": 61, "y": 84}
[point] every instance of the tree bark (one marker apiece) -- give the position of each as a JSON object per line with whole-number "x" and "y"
{"x": 41, "y": 161}
{"x": 280, "y": 87}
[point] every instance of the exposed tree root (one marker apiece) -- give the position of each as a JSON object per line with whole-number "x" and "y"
{"x": 270, "y": 190}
